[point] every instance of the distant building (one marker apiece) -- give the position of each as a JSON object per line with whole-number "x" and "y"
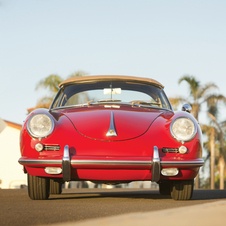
{"x": 11, "y": 172}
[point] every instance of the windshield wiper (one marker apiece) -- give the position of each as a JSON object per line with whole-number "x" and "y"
{"x": 141, "y": 102}
{"x": 102, "y": 101}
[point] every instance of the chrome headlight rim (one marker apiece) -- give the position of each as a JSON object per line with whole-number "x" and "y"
{"x": 183, "y": 140}
{"x": 33, "y": 134}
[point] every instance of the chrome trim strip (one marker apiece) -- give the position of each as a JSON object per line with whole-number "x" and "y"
{"x": 156, "y": 165}
{"x": 111, "y": 103}
{"x": 66, "y": 164}
{"x": 88, "y": 162}
{"x": 183, "y": 163}
{"x": 51, "y": 147}
{"x": 168, "y": 102}
{"x": 39, "y": 161}
{"x": 111, "y": 131}
{"x": 111, "y": 162}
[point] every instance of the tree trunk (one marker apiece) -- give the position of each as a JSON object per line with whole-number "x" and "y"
{"x": 221, "y": 160}
{"x": 221, "y": 166}
{"x": 212, "y": 158}
{"x": 197, "y": 181}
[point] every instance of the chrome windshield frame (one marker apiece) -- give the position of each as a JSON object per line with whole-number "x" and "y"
{"x": 111, "y": 103}
{"x": 115, "y": 103}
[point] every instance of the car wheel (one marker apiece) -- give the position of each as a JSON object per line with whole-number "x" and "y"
{"x": 182, "y": 189}
{"x": 164, "y": 187}
{"x": 55, "y": 187}
{"x": 38, "y": 187}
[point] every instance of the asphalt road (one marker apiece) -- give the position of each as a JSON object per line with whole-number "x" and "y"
{"x": 16, "y": 208}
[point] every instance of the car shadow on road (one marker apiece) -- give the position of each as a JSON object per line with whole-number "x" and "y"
{"x": 134, "y": 194}
{"x": 107, "y": 193}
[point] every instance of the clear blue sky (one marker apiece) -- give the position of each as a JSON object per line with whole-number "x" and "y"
{"x": 160, "y": 39}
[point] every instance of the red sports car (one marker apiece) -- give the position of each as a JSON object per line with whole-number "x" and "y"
{"x": 111, "y": 129}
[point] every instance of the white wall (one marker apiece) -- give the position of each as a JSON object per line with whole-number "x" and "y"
{"x": 11, "y": 172}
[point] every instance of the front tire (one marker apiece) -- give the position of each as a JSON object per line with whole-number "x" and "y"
{"x": 38, "y": 187}
{"x": 55, "y": 187}
{"x": 182, "y": 189}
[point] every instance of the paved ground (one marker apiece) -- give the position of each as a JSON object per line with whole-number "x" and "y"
{"x": 75, "y": 205}
{"x": 209, "y": 214}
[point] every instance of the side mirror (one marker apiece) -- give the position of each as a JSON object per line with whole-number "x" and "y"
{"x": 187, "y": 108}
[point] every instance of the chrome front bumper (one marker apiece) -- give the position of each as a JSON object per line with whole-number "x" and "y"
{"x": 66, "y": 162}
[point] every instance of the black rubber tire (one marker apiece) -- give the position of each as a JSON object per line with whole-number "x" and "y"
{"x": 38, "y": 187}
{"x": 182, "y": 189}
{"x": 55, "y": 187}
{"x": 164, "y": 188}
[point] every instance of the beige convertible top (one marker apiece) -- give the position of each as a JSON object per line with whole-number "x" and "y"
{"x": 94, "y": 78}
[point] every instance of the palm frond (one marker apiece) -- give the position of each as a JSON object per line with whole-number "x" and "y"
{"x": 214, "y": 120}
{"x": 193, "y": 83}
{"x": 213, "y": 109}
{"x": 78, "y": 74}
{"x": 223, "y": 124}
{"x": 203, "y": 89}
{"x": 213, "y": 99}
{"x": 51, "y": 83}
{"x": 175, "y": 101}
{"x": 45, "y": 100}
{"x": 206, "y": 129}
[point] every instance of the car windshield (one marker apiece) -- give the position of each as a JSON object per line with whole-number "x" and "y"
{"x": 111, "y": 92}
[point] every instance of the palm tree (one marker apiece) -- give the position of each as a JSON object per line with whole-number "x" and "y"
{"x": 199, "y": 95}
{"x": 175, "y": 101}
{"x": 221, "y": 161}
{"x": 51, "y": 83}
{"x": 209, "y": 145}
{"x": 78, "y": 74}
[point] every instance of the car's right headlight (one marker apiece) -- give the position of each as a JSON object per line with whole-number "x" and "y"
{"x": 40, "y": 125}
{"x": 183, "y": 129}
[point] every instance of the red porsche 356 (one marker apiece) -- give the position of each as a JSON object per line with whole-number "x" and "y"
{"x": 111, "y": 129}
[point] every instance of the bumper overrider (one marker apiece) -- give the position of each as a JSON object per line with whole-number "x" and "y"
{"x": 66, "y": 163}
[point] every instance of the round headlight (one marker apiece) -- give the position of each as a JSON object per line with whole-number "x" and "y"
{"x": 40, "y": 125}
{"x": 183, "y": 129}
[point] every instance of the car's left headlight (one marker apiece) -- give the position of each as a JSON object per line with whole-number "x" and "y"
{"x": 40, "y": 125}
{"x": 183, "y": 129}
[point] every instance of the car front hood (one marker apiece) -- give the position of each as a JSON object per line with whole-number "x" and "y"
{"x": 127, "y": 124}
